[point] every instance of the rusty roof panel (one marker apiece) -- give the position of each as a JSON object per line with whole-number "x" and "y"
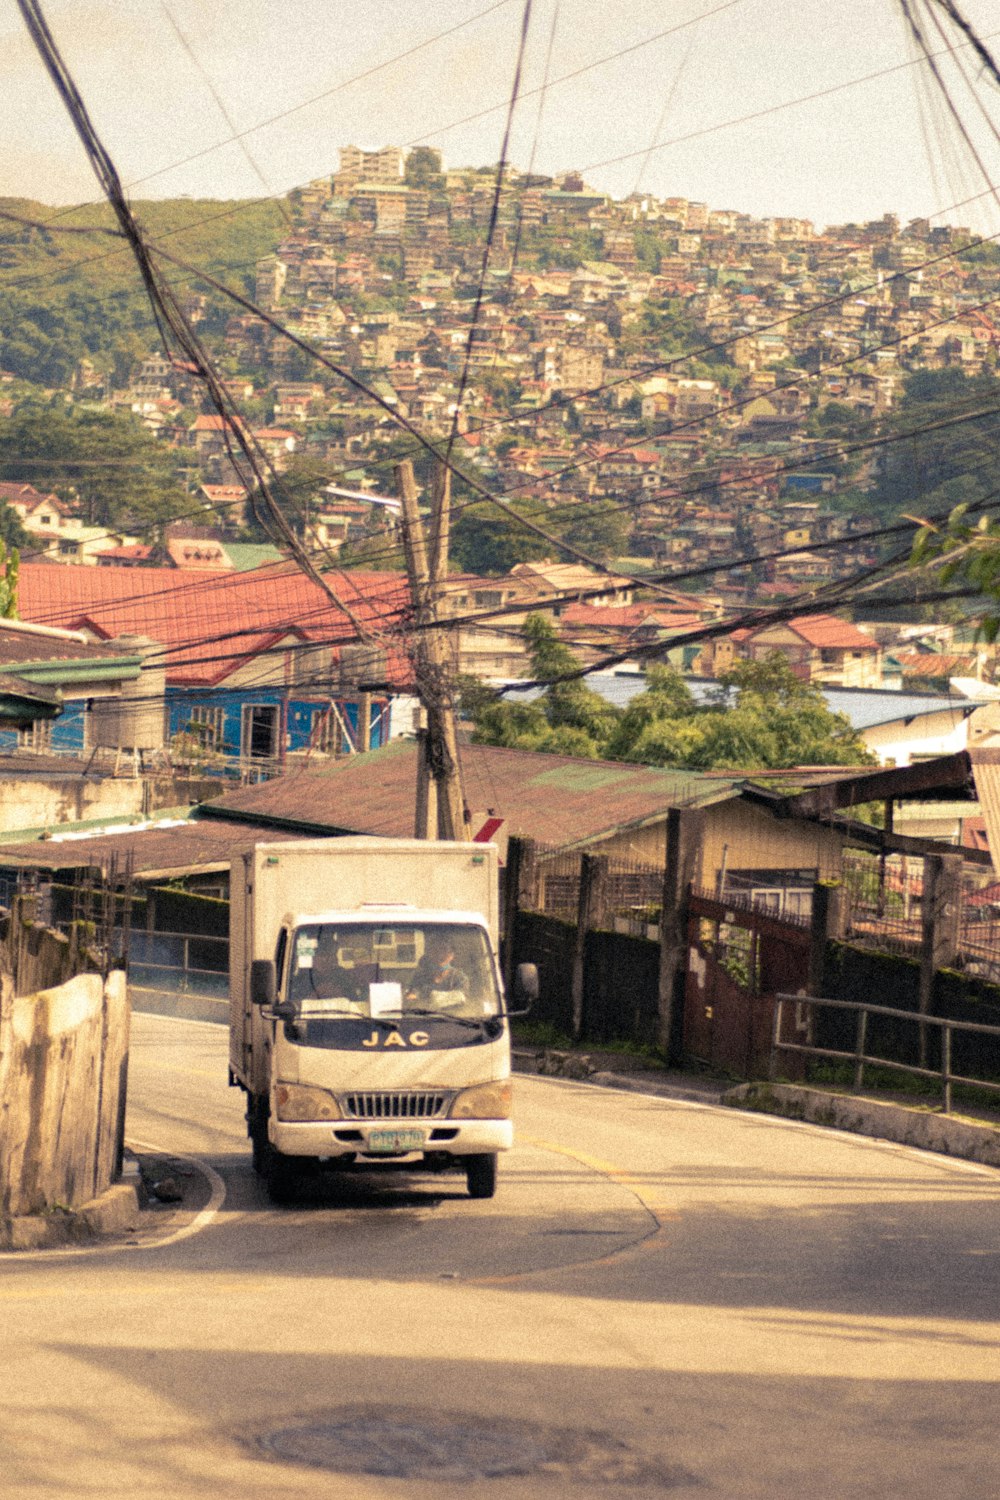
{"x": 152, "y": 852}
{"x": 556, "y": 799}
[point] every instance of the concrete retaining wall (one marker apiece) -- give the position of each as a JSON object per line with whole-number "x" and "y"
{"x": 63, "y": 1067}
{"x": 888, "y": 1122}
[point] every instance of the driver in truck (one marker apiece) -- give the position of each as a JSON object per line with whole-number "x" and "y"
{"x": 437, "y": 969}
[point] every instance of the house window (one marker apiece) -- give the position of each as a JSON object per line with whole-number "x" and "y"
{"x": 207, "y": 727}
{"x": 259, "y": 740}
{"x": 330, "y": 734}
{"x": 37, "y": 736}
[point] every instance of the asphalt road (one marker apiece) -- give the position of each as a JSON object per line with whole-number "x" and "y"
{"x": 663, "y": 1298}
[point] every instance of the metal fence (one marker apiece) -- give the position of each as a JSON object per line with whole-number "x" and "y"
{"x": 883, "y": 901}
{"x": 183, "y": 962}
{"x": 861, "y": 1058}
{"x": 631, "y": 892}
{"x": 979, "y": 924}
{"x": 884, "y": 909}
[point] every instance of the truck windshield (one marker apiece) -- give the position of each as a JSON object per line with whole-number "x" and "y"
{"x": 362, "y": 970}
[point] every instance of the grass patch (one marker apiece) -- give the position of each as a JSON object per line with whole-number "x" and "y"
{"x": 545, "y": 1034}
{"x": 540, "y": 1034}
{"x": 926, "y": 1091}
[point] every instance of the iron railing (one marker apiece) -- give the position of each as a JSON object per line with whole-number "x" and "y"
{"x": 184, "y": 962}
{"x": 861, "y": 1058}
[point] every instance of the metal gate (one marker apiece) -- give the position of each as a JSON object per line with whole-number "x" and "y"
{"x": 738, "y": 959}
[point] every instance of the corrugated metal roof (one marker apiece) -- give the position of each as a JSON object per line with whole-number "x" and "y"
{"x": 865, "y": 708}
{"x": 163, "y": 852}
{"x": 557, "y": 799}
{"x": 862, "y": 707}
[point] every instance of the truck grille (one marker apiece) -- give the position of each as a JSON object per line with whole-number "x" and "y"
{"x": 409, "y": 1106}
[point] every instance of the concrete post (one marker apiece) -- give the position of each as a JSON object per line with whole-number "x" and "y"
{"x": 941, "y": 908}
{"x": 827, "y": 923}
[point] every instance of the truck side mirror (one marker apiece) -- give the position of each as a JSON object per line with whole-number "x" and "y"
{"x": 263, "y": 982}
{"x": 525, "y": 989}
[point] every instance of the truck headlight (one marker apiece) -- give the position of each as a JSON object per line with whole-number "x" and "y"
{"x": 297, "y": 1101}
{"x": 487, "y": 1101}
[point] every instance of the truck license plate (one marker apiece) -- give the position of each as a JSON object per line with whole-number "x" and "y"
{"x": 391, "y": 1141}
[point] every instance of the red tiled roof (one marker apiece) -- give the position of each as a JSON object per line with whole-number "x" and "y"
{"x": 136, "y": 552}
{"x": 12, "y": 492}
{"x": 212, "y": 624}
{"x": 936, "y": 664}
{"x": 974, "y": 836}
{"x": 828, "y": 631}
{"x": 625, "y": 616}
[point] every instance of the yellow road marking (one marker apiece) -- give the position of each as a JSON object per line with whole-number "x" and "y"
{"x": 659, "y": 1212}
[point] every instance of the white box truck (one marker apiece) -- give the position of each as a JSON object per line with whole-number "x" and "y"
{"x": 368, "y": 1020}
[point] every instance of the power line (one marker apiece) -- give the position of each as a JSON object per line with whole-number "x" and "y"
{"x": 579, "y": 72}
{"x": 169, "y": 318}
{"x": 220, "y": 104}
{"x": 542, "y": 604}
{"x": 480, "y": 489}
{"x": 760, "y": 114}
{"x": 285, "y": 114}
{"x": 491, "y": 227}
{"x": 555, "y": 540}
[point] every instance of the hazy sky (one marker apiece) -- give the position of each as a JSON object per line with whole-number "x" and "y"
{"x": 168, "y": 83}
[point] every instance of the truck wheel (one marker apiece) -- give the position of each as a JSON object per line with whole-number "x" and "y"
{"x": 259, "y": 1143}
{"x": 481, "y": 1175}
{"x": 259, "y": 1146}
{"x": 279, "y": 1173}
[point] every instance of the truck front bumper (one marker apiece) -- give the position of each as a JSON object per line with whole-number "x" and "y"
{"x": 373, "y": 1140}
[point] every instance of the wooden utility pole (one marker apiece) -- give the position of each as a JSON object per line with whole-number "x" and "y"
{"x": 438, "y": 767}
{"x": 685, "y": 835}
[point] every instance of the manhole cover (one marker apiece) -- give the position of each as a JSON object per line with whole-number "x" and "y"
{"x": 412, "y": 1443}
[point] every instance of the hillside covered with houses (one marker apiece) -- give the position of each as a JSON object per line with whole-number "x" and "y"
{"x": 664, "y": 387}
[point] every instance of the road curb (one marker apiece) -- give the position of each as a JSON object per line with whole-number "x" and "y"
{"x": 888, "y": 1122}
{"x": 114, "y": 1211}
{"x": 550, "y": 1063}
{"x": 947, "y": 1135}
{"x": 182, "y": 1007}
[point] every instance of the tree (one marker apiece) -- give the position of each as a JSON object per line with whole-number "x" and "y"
{"x": 486, "y": 541}
{"x": 569, "y": 719}
{"x": 10, "y": 563}
{"x": 760, "y": 717}
{"x": 12, "y": 533}
{"x": 64, "y": 298}
{"x": 666, "y": 700}
{"x": 776, "y": 721}
{"x": 298, "y": 490}
{"x": 915, "y": 474}
{"x": 106, "y": 462}
{"x": 599, "y": 528}
{"x": 423, "y": 169}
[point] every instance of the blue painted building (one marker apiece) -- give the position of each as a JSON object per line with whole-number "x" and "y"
{"x": 240, "y": 725}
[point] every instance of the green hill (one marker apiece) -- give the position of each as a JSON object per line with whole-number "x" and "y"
{"x": 66, "y": 297}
